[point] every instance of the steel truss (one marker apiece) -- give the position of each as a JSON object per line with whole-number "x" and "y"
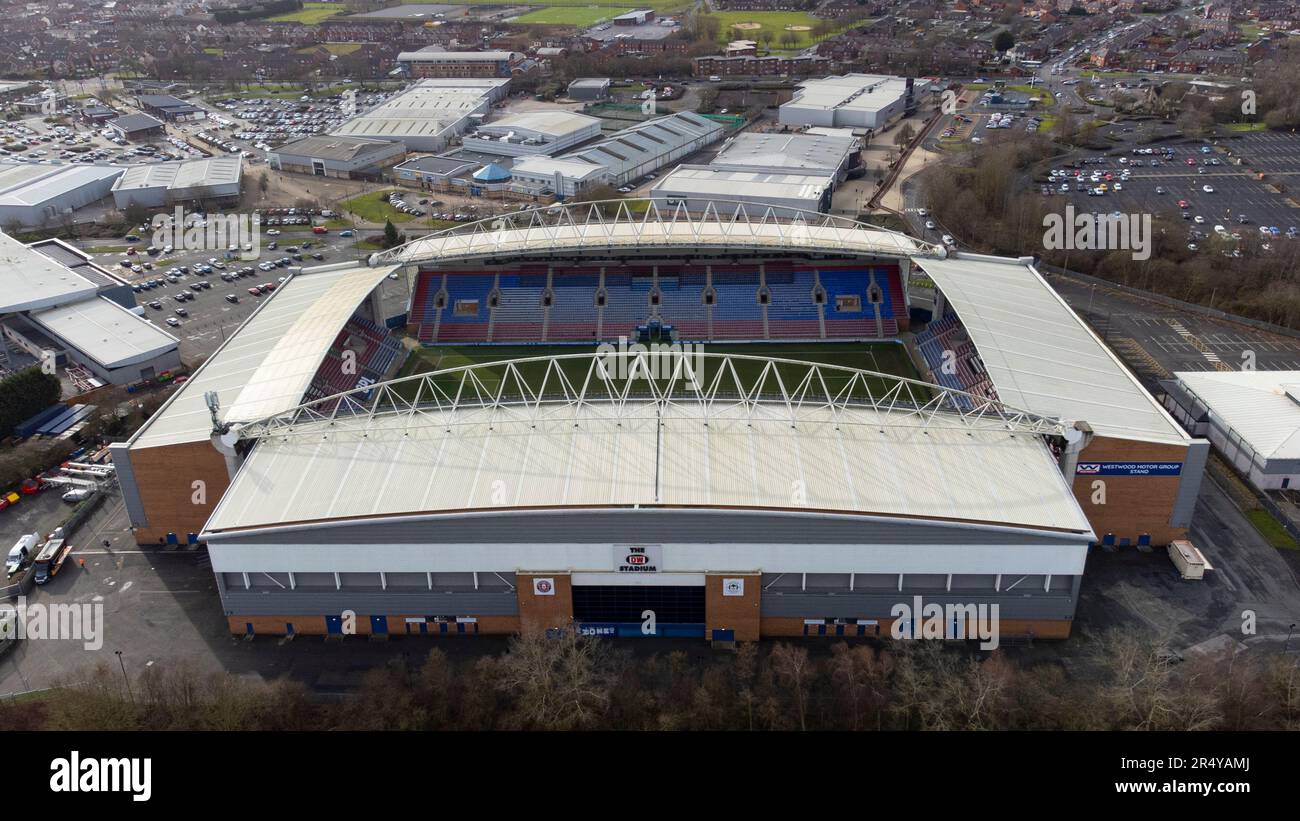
{"x": 612, "y": 226}
{"x": 622, "y": 386}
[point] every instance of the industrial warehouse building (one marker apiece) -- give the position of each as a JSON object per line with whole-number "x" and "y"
{"x": 857, "y": 101}
{"x": 137, "y": 128}
{"x": 213, "y": 182}
{"x": 58, "y": 306}
{"x": 733, "y": 515}
{"x": 589, "y": 89}
{"x": 790, "y": 173}
{"x": 1251, "y": 417}
{"x": 337, "y": 156}
{"x": 648, "y": 146}
{"x": 42, "y": 196}
{"x": 563, "y": 177}
{"x": 169, "y": 108}
{"x": 787, "y": 194}
{"x": 430, "y": 114}
{"x": 435, "y": 62}
{"x": 533, "y": 133}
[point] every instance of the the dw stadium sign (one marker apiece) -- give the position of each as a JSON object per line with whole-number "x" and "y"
{"x": 638, "y": 558}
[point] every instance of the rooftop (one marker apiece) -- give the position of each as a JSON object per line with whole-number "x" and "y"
{"x": 135, "y": 122}
{"x": 220, "y": 170}
{"x": 709, "y": 181}
{"x": 334, "y": 147}
{"x": 26, "y": 184}
{"x": 105, "y": 331}
{"x": 792, "y": 151}
{"x": 851, "y": 92}
{"x": 1040, "y": 354}
{"x": 268, "y": 362}
{"x": 1262, "y": 407}
{"x": 30, "y": 280}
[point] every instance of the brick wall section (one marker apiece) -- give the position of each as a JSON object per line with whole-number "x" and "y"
{"x": 1008, "y": 628}
{"x": 540, "y": 613}
{"x": 165, "y": 477}
{"x": 1134, "y": 504}
{"x": 315, "y": 626}
{"x": 738, "y": 613}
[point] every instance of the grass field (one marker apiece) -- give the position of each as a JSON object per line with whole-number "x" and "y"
{"x": 571, "y": 15}
{"x": 773, "y": 21}
{"x": 1271, "y": 529}
{"x": 883, "y": 357}
{"x": 310, "y": 13}
{"x": 661, "y": 6}
{"x": 373, "y": 207}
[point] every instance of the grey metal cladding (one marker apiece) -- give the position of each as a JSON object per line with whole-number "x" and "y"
{"x": 276, "y": 602}
{"x": 877, "y": 605}
{"x": 1189, "y": 486}
{"x": 121, "y": 453}
{"x": 661, "y": 525}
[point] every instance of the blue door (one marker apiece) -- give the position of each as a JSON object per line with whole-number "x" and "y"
{"x": 379, "y": 625}
{"x": 334, "y": 625}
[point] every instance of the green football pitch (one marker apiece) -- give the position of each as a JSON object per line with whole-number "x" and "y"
{"x": 881, "y": 357}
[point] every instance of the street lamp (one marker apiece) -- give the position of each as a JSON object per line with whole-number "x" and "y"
{"x": 124, "y": 676}
{"x": 1286, "y": 648}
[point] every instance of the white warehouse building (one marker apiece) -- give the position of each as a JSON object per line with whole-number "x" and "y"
{"x": 429, "y": 114}
{"x": 857, "y": 101}
{"x": 38, "y": 196}
{"x": 157, "y": 185}
{"x": 533, "y": 133}
{"x": 1251, "y": 417}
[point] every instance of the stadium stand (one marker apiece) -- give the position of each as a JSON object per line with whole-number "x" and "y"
{"x": 702, "y": 302}
{"x": 362, "y": 350}
{"x": 962, "y": 369}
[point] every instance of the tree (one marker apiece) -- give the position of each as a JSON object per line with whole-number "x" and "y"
{"x": 26, "y": 394}
{"x": 905, "y": 135}
{"x": 559, "y": 683}
{"x": 391, "y": 237}
{"x": 1004, "y": 40}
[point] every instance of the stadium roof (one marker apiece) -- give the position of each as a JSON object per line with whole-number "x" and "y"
{"x": 105, "y": 331}
{"x": 30, "y": 280}
{"x": 1262, "y": 407}
{"x": 268, "y": 358}
{"x": 857, "y": 461}
{"x": 610, "y": 227}
{"x": 222, "y": 170}
{"x": 1040, "y": 355}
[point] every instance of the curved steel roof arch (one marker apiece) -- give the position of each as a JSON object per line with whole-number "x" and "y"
{"x": 638, "y": 384}
{"x": 611, "y": 226}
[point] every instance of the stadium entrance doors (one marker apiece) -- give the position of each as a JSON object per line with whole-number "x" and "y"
{"x": 660, "y": 611}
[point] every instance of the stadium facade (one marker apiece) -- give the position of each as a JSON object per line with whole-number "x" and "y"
{"x": 726, "y": 496}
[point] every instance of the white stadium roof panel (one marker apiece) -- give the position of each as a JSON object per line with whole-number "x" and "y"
{"x": 106, "y": 331}
{"x": 236, "y": 364}
{"x": 1040, "y": 355}
{"x": 285, "y": 374}
{"x": 1262, "y": 407}
{"x": 476, "y": 459}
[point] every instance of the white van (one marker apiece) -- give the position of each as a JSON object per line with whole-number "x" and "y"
{"x": 19, "y": 552}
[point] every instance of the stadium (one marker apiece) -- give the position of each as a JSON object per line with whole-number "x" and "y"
{"x": 644, "y": 421}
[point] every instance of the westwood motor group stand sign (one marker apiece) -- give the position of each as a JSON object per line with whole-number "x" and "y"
{"x": 1129, "y": 469}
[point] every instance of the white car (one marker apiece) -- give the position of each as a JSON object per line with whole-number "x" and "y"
{"x": 1199, "y": 220}
{"x": 1209, "y": 189}
{"x": 929, "y": 225}
{"x": 922, "y": 212}
{"x": 948, "y": 240}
